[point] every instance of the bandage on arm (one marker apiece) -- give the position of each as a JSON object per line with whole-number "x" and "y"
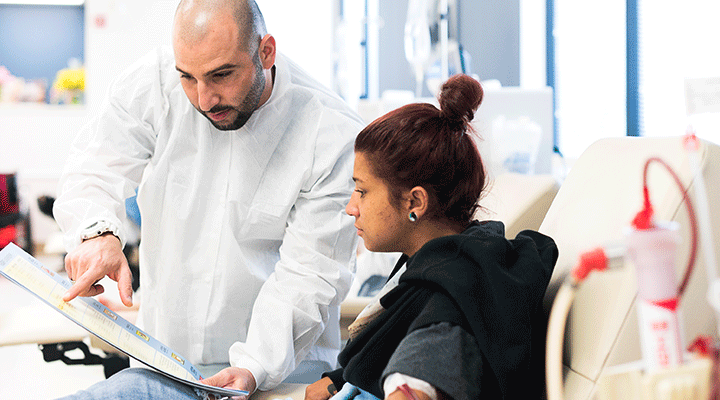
{"x": 394, "y": 381}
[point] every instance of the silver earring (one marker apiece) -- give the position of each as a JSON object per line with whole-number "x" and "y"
{"x": 412, "y": 216}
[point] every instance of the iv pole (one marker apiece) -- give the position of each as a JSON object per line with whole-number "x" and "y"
{"x": 444, "y": 35}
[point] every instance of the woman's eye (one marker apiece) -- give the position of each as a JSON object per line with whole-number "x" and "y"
{"x": 361, "y": 192}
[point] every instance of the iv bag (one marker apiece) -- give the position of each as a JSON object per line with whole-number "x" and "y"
{"x": 418, "y": 43}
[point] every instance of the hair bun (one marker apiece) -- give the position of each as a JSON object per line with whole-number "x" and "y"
{"x": 460, "y": 96}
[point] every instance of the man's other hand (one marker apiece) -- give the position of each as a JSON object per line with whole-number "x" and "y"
{"x": 233, "y": 378}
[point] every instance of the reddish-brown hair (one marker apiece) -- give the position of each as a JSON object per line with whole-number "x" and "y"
{"x": 421, "y": 145}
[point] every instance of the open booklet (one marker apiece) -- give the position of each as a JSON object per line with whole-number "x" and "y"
{"x": 24, "y": 270}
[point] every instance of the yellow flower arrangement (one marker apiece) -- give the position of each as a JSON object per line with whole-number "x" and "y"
{"x": 70, "y": 79}
{"x": 69, "y": 85}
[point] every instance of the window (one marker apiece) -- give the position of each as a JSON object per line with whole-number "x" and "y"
{"x": 620, "y": 68}
{"x": 589, "y": 72}
{"x": 676, "y": 42}
{"x": 40, "y": 40}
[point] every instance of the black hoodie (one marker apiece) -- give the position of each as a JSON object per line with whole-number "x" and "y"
{"x": 490, "y": 286}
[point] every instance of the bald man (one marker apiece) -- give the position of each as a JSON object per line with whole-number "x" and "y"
{"x": 243, "y": 166}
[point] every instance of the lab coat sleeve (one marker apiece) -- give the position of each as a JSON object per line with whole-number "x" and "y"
{"x": 317, "y": 259}
{"x": 106, "y": 160}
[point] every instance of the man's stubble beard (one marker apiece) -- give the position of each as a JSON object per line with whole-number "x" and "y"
{"x": 249, "y": 104}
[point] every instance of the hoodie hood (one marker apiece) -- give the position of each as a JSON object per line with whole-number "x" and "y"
{"x": 498, "y": 285}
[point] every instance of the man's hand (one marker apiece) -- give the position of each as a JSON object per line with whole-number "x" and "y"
{"x": 94, "y": 259}
{"x": 233, "y": 378}
{"x": 320, "y": 390}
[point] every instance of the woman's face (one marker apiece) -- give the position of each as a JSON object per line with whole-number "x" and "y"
{"x": 381, "y": 225}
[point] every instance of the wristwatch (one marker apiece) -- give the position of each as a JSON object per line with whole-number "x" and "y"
{"x": 97, "y": 228}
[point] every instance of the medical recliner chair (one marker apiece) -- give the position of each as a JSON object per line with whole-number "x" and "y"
{"x": 599, "y": 198}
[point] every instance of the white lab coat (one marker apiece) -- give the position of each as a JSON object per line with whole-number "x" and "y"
{"x": 246, "y": 251}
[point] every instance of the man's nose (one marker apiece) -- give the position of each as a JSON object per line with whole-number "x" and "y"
{"x": 207, "y": 96}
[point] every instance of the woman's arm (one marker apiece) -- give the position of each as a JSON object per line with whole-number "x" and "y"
{"x": 443, "y": 357}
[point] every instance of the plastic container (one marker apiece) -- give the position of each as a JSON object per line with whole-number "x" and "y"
{"x": 515, "y": 145}
{"x": 653, "y": 252}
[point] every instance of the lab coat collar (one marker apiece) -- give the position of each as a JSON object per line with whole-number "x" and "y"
{"x": 262, "y": 128}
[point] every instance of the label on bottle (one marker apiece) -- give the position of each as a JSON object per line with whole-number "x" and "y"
{"x": 659, "y": 333}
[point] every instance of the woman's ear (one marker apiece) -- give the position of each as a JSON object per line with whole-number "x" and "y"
{"x": 418, "y": 201}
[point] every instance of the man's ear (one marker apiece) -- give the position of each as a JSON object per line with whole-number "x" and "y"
{"x": 267, "y": 51}
{"x": 418, "y": 200}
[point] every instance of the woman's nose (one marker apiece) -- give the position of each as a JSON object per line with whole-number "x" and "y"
{"x": 351, "y": 208}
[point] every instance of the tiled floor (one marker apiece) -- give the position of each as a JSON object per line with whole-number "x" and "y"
{"x": 23, "y": 372}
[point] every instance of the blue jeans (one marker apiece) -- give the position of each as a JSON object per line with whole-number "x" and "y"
{"x": 137, "y": 383}
{"x": 143, "y": 383}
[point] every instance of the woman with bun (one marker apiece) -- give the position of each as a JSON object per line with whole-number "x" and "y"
{"x": 461, "y": 314}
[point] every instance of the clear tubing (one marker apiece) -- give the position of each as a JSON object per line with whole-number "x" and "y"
{"x": 555, "y": 340}
{"x": 713, "y": 295}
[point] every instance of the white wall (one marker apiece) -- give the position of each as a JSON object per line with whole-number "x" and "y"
{"x": 304, "y": 31}
{"x": 35, "y": 141}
